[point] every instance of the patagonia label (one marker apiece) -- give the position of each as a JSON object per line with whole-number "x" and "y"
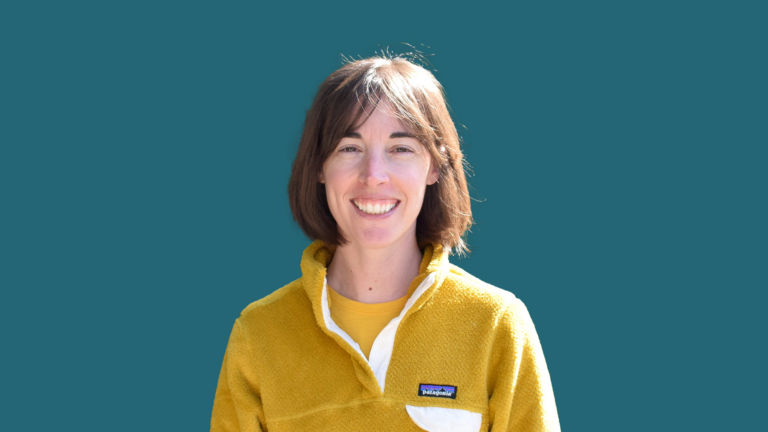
{"x": 437, "y": 390}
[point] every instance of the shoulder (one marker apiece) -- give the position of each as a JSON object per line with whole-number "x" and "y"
{"x": 472, "y": 291}
{"x": 289, "y": 300}
{"x": 511, "y": 320}
{"x": 465, "y": 285}
{"x": 272, "y": 328}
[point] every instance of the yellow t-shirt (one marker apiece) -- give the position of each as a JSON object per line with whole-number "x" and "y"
{"x": 363, "y": 321}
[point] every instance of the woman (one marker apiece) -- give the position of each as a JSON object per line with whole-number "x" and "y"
{"x": 381, "y": 332}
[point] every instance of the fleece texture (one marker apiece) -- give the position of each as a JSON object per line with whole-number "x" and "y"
{"x": 285, "y": 370}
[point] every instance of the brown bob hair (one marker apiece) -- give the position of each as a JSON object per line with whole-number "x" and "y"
{"x": 418, "y": 101}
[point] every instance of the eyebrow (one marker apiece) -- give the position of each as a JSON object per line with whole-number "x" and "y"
{"x": 399, "y": 134}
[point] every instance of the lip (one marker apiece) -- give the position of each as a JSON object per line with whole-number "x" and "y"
{"x": 374, "y": 197}
{"x": 370, "y": 216}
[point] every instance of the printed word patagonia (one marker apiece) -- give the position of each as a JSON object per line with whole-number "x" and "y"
{"x": 437, "y": 390}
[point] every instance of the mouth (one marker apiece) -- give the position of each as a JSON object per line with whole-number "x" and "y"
{"x": 375, "y": 207}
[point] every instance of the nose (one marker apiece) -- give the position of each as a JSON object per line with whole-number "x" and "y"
{"x": 374, "y": 170}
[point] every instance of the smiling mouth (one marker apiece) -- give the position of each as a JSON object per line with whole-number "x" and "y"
{"x": 375, "y": 207}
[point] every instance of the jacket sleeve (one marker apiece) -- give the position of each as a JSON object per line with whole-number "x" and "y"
{"x": 522, "y": 399}
{"x": 237, "y": 404}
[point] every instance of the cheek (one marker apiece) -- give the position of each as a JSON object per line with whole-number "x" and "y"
{"x": 414, "y": 187}
{"x": 337, "y": 180}
{"x": 414, "y": 178}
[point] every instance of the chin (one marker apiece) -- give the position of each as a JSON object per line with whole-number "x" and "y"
{"x": 375, "y": 238}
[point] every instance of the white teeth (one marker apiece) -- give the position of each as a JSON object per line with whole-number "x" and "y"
{"x": 375, "y": 209}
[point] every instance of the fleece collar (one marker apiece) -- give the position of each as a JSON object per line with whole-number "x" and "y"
{"x": 432, "y": 272}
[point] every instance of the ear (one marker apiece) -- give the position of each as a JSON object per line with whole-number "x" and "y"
{"x": 434, "y": 175}
{"x": 320, "y": 177}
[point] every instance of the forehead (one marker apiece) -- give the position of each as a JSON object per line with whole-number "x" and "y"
{"x": 381, "y": 115}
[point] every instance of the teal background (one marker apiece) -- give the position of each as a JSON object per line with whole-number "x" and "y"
{"x": 619, "y": 152}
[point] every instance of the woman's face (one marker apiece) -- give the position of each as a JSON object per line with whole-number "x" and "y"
{"x": 375, "y": 181}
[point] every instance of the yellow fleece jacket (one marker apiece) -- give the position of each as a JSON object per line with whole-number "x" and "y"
{"x": 461, "y": 356}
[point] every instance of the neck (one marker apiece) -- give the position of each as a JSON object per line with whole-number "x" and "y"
{"x": 374, "y": 275}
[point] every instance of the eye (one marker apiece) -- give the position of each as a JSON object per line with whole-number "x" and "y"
{"x": 347, "y": 149}
{"x": 402, "y": 150}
